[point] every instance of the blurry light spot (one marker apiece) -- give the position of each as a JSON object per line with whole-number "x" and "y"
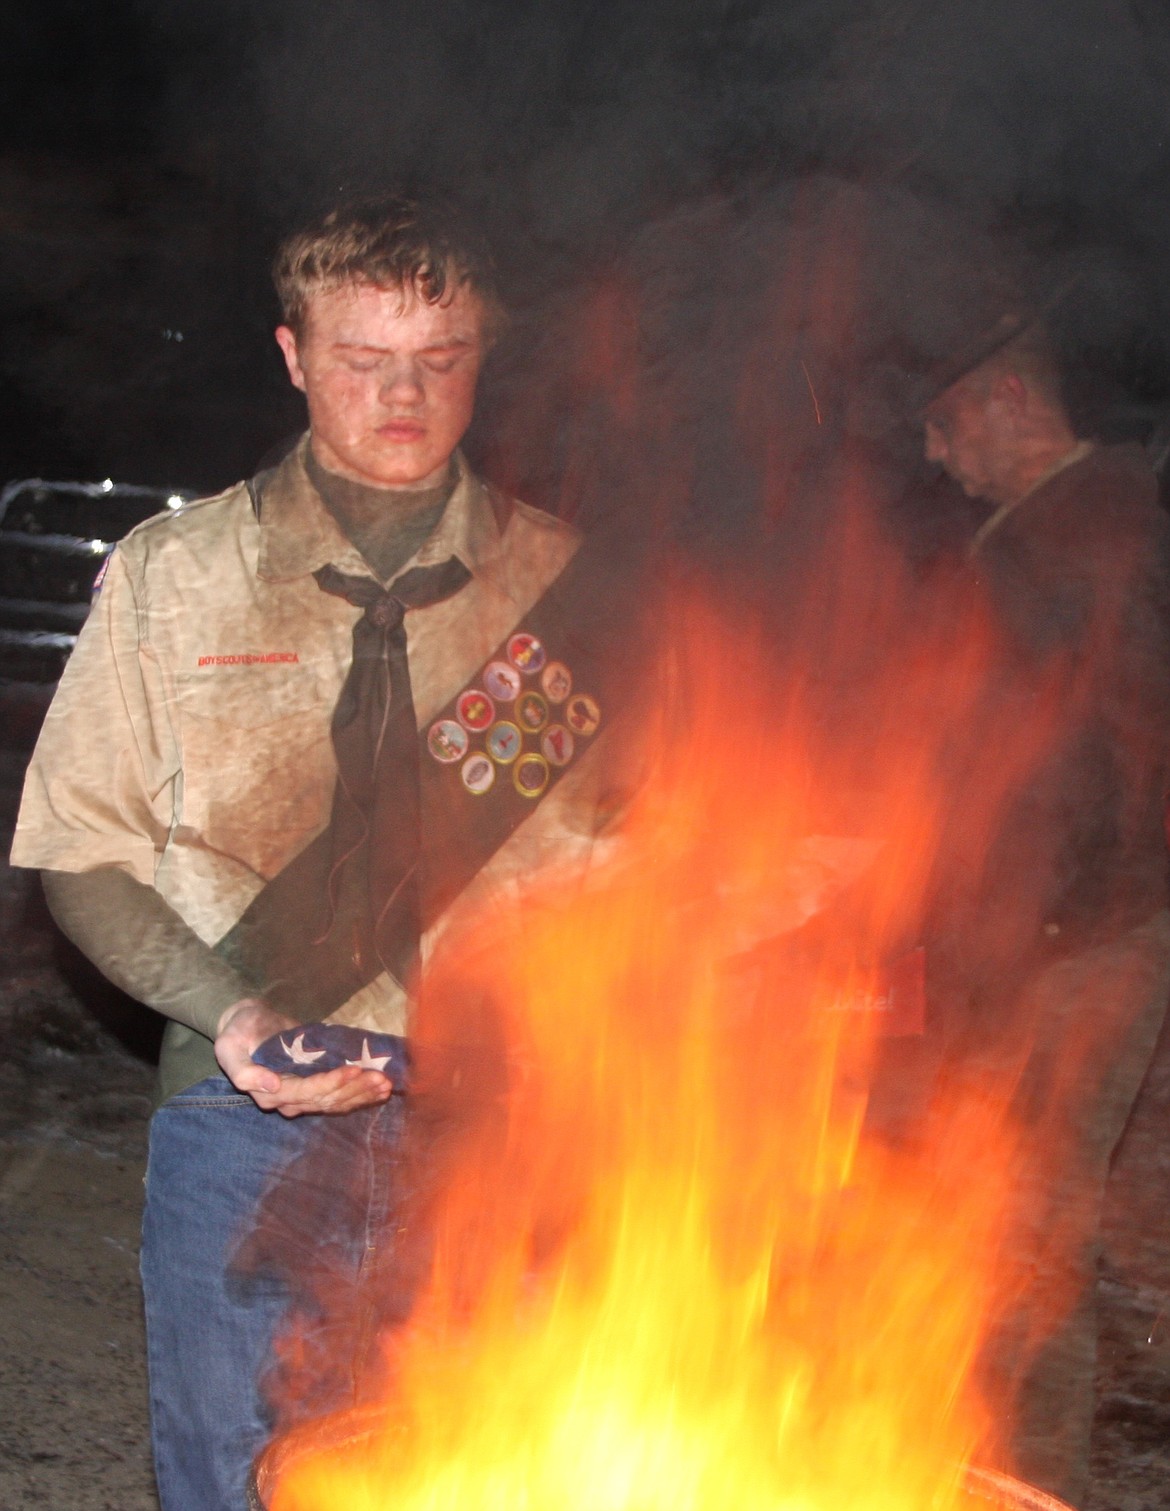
{"x": 98, "y": 547}
{"x": 107, "y": 485}
{"x": 174, "y": 501}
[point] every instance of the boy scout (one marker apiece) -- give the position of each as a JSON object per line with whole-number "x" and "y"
{"x": 274, "y": 722}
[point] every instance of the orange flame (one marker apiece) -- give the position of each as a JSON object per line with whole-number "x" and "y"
{"x": 670, "y": 1267}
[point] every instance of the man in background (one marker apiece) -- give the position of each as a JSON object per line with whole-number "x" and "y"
{"x": 268, "y": 781}
{"x": 1055, "y": 944}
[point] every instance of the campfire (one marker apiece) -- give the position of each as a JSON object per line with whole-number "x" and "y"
{"x": 672, "y": 1265}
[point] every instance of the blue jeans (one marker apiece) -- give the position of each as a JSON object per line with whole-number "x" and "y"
{"x": 241, "y": 1207}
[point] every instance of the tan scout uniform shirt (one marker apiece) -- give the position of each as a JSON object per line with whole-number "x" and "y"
{"x": 189, "y": 740}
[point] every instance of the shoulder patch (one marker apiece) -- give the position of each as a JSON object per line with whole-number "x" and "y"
{"x": 101, "y": 577}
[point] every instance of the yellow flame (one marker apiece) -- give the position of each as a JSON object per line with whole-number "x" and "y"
{"x": 671, "y": 1270}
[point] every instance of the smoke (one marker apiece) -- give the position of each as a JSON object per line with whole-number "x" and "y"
{"x": 581, "y": 116}
{"x": 573, "y": 128}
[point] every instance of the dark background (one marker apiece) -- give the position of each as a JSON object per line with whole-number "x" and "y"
{"x": 152, "y": 150}
{"x": 728, "y": 204}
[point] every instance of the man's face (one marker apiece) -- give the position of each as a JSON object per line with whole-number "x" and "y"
{"x": 389, "y": 378}
{"x": 964, "y": 434}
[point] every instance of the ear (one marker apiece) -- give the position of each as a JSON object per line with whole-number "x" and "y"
{"x": 287, "y": 341}
{"x": 1012, "y": 392}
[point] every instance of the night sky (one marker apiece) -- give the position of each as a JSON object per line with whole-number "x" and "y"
{"x": 681, "y": 159}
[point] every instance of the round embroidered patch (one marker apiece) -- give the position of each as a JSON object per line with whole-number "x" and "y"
{"x": 582, "y": 714}
{"x": 531, "y": 713}
{"x": 526, "y": 653}
{"x": 474, "y": 710}
{"x": 556, "y": 681}
{"x": 447, "y": 741}
{"x": 557, "y": 744}
{"x": 503, "y": 741}
{"x": 501, "y": 680}
{"x": 530, "y": 775}
{"x": 478, "y": 773}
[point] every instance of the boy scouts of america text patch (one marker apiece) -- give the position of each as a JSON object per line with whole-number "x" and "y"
{"x": 521, "y": 721}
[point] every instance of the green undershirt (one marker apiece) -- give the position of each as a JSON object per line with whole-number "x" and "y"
{"x": 387, "y": 525}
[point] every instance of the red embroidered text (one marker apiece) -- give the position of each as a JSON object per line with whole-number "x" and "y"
{"x": 246, "y": 659}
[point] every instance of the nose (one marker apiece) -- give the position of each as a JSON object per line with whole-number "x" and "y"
{"x": 401, "y": 384}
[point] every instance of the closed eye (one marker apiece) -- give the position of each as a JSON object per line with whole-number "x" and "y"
{"x": 442, "y": 361}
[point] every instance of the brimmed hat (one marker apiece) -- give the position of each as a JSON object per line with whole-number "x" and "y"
{"x": 996, "y": 319}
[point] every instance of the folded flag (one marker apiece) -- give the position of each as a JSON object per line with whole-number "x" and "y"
{"x": 314, "y": 1047}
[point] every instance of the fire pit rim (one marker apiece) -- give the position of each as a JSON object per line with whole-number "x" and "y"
{"x": 997, "y": 1489}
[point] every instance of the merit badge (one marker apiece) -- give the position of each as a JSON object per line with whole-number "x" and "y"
{"x": 475, "y": 710}
{"x": 531, "y": 713}
{"x": 501, "y": 680}
{"x": 531, "y": 774}
{"x": 582, "y": 714}
{"x": 556, "y": 681}
{"x": 447, "y": 741}
{"x": 557, "y": 745}
{"x": 478, "y": 773}
{"x": 503, "y": 742}
{"x": 526, "y": 653}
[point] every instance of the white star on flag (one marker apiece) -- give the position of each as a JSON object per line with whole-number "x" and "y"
{"x": 369, "y": 1061}
{"x": 297, "y": 1052}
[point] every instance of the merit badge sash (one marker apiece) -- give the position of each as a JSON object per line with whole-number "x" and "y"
{"x": 512, "y": 733}
{"x": 484, "y": 763}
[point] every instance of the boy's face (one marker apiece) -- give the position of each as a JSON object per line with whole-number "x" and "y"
{"x": 390, "y": 380}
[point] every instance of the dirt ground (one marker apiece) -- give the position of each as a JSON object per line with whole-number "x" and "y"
{"x": 73, "y": 1422}
{"x": 75, "y": 1082}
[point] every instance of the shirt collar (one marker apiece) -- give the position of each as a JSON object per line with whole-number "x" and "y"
{"x": 990, "y": 525}
{"x": 298, "y": 535}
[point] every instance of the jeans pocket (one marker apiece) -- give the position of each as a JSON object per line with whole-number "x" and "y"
{"x": 212, "y": 1091}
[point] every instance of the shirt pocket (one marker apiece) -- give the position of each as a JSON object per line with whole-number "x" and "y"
{"x": 256, "y": 758}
